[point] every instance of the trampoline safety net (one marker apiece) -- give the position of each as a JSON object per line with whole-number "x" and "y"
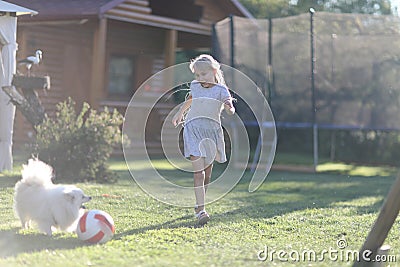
{"x": 357, "y": 66}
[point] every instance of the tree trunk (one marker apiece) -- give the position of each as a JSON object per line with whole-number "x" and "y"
{"x": 29, "y": 105}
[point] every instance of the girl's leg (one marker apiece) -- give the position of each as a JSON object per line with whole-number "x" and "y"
{"x": 207, "y": 174}
{"x": 198, "y": 179}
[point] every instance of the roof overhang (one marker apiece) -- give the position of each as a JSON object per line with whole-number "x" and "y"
{"x": 137, "y": 12}
{"x": 18, "y": 10}
{"x": 160, "y": 22}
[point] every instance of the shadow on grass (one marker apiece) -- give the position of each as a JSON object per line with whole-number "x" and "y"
{"x": 9, "y": 180}
{"x": 13, "y": 243}
{"x": 284, "y": 193}
{"x": 186, "y": 221}
{"x": 287, "y": 192}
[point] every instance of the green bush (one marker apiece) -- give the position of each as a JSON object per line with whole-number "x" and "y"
{"x": 377, "y": 147}
{"x": 369, "y": 146}
{"x": 79, "y": 145}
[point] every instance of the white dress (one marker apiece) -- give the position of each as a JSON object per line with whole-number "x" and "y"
{"x": 203, "y": 135}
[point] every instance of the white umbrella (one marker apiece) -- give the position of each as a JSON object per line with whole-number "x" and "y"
{"x": 8, "y": 49}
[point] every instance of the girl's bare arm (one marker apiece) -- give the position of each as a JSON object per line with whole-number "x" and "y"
{"x": 178, "y": 118}
{"x": 229, "y": 108}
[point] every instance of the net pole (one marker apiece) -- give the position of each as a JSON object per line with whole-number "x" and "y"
{"x": 214, "y": 42}
{"x": 314, "y": 110}
{"x": 232, "y": 63}
{"x": 269, "y": 70}
{"x": 232, "y": 41}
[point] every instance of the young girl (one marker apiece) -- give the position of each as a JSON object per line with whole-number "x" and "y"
{"x": 203, "y": 136}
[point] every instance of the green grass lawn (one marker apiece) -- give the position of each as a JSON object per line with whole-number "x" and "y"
{"x": 291, "y": 212}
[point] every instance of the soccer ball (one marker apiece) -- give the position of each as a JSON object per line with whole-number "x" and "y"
{"x": 95, "y": 226}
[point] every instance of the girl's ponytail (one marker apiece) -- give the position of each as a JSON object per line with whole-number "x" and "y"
{"x": 220, "y": 77}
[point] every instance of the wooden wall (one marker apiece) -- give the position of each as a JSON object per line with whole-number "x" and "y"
{"x": 67, "y": 59}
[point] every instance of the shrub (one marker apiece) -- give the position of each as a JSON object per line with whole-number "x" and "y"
{"x": 79, "y": 145}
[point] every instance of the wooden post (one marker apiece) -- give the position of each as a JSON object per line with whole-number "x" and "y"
{"x": 171, "y": 41}
{"x": 382, "y": 225}
{"x": 382, "y": 252}
{"x": 98, "y": 64}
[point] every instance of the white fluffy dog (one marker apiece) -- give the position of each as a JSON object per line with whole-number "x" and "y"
{"x": 37, "y": 199}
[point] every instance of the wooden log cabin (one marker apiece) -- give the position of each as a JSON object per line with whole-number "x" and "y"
{"x": 101, "y": 51}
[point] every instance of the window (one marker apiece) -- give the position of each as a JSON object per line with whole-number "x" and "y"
{"x": 121, "y": 76}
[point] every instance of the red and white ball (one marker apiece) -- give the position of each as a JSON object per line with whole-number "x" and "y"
{"x": 95, "y": 226}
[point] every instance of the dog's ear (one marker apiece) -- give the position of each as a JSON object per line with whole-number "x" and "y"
{"x": 69, "y": 195}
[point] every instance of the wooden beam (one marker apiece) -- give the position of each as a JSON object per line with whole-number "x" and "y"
{"x": 382, "y": 226}
{"x": 171, "y": 41}
{"x": 158, "y": 21}
{"x": 138, "y": 2}
{"x": 97, "y": 87}
{"x": 135, "y": 8}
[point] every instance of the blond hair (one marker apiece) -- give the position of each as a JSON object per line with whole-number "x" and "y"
{"x": 205, "y": 60}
